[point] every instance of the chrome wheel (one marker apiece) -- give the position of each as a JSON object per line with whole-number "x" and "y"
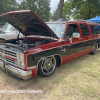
{"x": 47, "y": 66}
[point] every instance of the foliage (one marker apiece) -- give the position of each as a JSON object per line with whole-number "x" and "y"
{"x": 40, "y": 7}
{"x": 7, "y": 5}
{"x": 54, "y": 15}
{"x": 67, "y": 10}
{"x": 85, "y": 9}
{"x": 66, "y": 13}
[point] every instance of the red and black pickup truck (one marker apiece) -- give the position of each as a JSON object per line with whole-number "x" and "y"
{"x": 45, "y": 45}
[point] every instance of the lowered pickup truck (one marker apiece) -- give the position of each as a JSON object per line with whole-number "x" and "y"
{"x": 45, "y": 45}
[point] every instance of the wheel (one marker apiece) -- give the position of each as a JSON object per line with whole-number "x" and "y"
{"x": 47, "y": 66}
{"x": 95, "y": 49}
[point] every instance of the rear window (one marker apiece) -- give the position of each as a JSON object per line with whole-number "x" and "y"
{"x": 85, "y": 30}
{"x": 95, "y": 29}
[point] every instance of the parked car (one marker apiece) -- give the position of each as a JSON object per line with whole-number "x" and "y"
{"x": 9, "y": 32}
{"x": 1, "y": 31}
{"x": 1, "y": 24}
{"x": 46, "y": 45}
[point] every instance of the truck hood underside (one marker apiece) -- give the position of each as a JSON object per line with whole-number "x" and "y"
{"x": 28, "y": 23}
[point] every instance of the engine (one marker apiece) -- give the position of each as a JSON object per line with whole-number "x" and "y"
{"x": 24, "y": 44}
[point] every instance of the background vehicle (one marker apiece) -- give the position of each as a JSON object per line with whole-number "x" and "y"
{"x": 8, "y": 32}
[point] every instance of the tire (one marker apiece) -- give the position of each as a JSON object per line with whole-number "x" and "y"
{"x": 47, "y": 66}
{"x": 95, "y": 49}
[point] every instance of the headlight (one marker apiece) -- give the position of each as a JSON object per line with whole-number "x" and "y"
{"x": 21, "y": 56}
{"x": 21, "y": 63}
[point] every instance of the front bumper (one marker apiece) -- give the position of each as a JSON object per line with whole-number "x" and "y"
{"x": 25, "y": 75}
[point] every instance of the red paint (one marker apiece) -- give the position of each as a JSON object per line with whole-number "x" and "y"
{"x": 57, "y": 43}
{"x": 10, "y": 57}
{"x": 75, "y": 56}
{"x": 34, "y": 71}
{"x": 25, "y": 61}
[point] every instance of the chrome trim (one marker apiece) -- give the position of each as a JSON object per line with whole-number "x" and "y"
{"x": 9, "y": 62}
{"x": 31, "y": 67}
{"x": 22, "y": 67}
{"x": 10, "y": 50}
{"x": 9, "y": 55}
{"x": 20, "y": 60}
{"x": 18, "y": 72}
{"x": 16, "y": 57}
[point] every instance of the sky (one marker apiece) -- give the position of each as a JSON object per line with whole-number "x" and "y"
{"x": 54, "y": 4}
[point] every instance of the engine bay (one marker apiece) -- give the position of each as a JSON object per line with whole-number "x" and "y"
{"x": 26, "y": 43}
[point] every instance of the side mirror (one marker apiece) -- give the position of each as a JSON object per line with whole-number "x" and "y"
{"x": 76, "y": 35}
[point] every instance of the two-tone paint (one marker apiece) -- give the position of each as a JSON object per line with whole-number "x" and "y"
{"x": 61, "y": 48}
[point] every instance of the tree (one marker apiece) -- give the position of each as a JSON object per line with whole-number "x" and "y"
{"x": 85, "y": 9}
{"x": 40, "y": 7}
{"x": 66, "y": 13}
{"x": 6, "y": 6}
{"x": 54, "y": 15}
{"x": 59, "y": 9}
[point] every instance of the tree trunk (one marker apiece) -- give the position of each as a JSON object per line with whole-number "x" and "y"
{"x": 59, "y": 9}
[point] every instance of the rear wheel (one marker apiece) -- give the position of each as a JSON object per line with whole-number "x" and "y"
{"x": 47, "y": 66}
{"x": 95, "y": 49}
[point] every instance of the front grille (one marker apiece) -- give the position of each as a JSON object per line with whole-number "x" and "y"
{"x": 8, "y": 52}
{"x": 2, "y": 57}
{"x": 11, "y": 61}
{"x": 8, "y": 60}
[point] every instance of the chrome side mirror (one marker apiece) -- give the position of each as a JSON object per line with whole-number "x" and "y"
{"x": 76, "y": 35}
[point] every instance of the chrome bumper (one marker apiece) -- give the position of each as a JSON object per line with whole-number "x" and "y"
{"x": 25, "y": 75}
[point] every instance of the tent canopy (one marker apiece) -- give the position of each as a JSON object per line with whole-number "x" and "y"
{"x": 96, "y": 19}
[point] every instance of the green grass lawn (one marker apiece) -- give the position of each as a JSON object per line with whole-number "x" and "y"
{"x": 76, "y": 80}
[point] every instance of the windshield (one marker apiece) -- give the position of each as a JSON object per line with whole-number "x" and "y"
{"x": 7, "y": 27}
{"x": 58, "y": 28}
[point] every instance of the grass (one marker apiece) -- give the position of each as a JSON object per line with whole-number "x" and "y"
{"x": 76, "y": 80}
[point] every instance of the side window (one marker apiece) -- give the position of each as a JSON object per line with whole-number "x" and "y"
{"x": 95, "y": 29}
{"x": 72, "y": 28}
{"x": 85, "y": 30}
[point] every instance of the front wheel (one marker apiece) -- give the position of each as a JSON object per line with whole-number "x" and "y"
{"x": 47, "y": 66}
{"x": 95, "y": 49}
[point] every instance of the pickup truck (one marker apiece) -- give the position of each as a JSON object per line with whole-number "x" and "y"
{"x": 45, "y": 45}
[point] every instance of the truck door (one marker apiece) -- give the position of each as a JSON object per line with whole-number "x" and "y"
{"x": 73, "y": 42}
{"x": 87, "y": 42}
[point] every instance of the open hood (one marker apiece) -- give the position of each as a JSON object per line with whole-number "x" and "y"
{"x": 28, "y": 23}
